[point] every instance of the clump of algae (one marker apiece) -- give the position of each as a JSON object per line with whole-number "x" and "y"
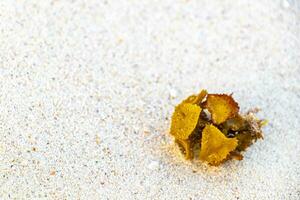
{"x": 213, "y": 122}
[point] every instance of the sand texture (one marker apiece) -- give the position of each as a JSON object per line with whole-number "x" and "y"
{"x": 88, "y": 88}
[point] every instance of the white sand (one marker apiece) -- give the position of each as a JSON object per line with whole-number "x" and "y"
{"x": 88, "y": 88}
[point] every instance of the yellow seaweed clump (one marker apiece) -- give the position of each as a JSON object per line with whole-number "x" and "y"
{"x": 210, "y": 125}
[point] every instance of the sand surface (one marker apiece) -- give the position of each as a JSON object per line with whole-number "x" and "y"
{"x": 88, "y": 88}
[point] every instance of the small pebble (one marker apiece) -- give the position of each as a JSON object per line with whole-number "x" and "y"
{"x": 153, "y": 165}
{"x": 173, "y": 93}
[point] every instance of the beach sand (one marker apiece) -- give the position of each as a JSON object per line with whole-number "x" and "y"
{"x": 88, "y": 89}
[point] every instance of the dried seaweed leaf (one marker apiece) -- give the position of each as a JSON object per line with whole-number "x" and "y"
{"x": 250, "y": 134}
{"x": 196, "y": 99}
{"x": 236, "y": 155}
{"x": 233, "y": 125}
{"x": 215, "y": 146}
{"x": 186, "y": 148}
{"x": 244, "y": 140}
{"x": 221, "y": 107}
{"x": 184, "y": 120}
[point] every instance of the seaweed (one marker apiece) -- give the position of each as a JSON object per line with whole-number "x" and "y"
{"x": 184, "y": 120}
{"x": 210, "y": 125}
{"x": 221, "y": 107}
{"x": 215, "y": 146}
